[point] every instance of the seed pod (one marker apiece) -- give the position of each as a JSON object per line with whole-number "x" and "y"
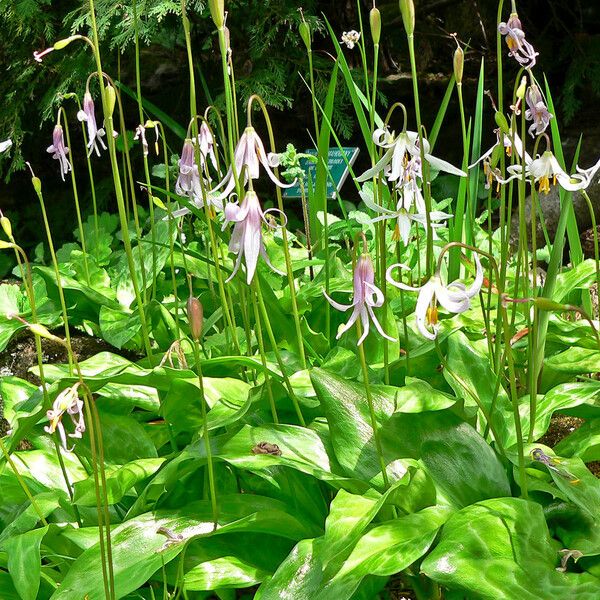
{"x": 304, "y": 31}
{"x": 407, "y": 8}
{"x": 195, "y": 314}
{"x": 459, "y": 63}
{"x": 217, "y": 12}
{"x": 501, "y": 122}
{"x": 375, "y": 21}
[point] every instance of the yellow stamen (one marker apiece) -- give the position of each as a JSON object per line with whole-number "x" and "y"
{"x": 432, "y": 315}
{"x": 544, "y": 184}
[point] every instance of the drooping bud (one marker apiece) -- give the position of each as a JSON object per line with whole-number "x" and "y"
{"x": 522, "y": 88}
{"x": 459, "y": 63}
{"x": 548, "y": 305}
{"x": 407, "y": 8}
{"x": 375, "y": 22}
{"x": 502, "y": 122}
{"x": 66, "y": 41}
{"x": 217, "y": 12}
{"x": 111, "y": 99}
{"x": 37, "y": 185}
{"x": 5, "y": 245}
{"x": 195, "y": 314}
{"x": 6, "y": 226}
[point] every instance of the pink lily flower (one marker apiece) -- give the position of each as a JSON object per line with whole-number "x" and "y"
{"x": 59, "y": 151}
{"x": 66, "y": 402}
{"x": 367, "y": 296}
{"x": 247, "y": 237}
{"x": 95, "y": 135}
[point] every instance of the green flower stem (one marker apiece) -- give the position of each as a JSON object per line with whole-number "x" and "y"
{"x": 286, "y": 248}
{"x": 138, "y": 87}
{"x": 374, "y": 424}
{"x": 76, "y": 197}
{"x": 59, "y": 287}
{"x": 205, "y": 435}
{"x": 424, "y": 163}
{"x": 263, "y": 357}
{"x": 107, "y": 110}
{"x": 267, "y": 323}
{"x": 22, "y": 482}
{"x": 595, "y": 237}
{"x": 171, "y": 230}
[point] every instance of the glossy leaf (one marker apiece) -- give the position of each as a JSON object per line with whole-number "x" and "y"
{"x": 24, "y": 562}
{"x": 500, "y": 549}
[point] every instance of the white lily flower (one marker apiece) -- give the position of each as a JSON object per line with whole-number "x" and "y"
{"x": 367, "y": 296}
{"x": 399, "y": 152}
{"x": 66, "y": 402}
{"x": 545, "y": 168}
{"x": 249, "y": 155}
{"x": 410, "y": 194}
{"x": 350, "y": 38}
{"x": 4, "y": 146}
{"x": 506, "y": 142}
{"x": 454, "y": 297}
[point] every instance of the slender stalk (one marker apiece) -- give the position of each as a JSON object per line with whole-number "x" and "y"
{"x": 267, "y": 323}
{"x": 205, "y": 434}
{"x": 595, "y": 238}
{"x": 108, "y": 119}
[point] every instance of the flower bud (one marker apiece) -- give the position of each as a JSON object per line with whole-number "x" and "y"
{"x": 217, "y": 12}
{"x": 195, "y": 314}
{"x": 522, "y": 87}
{"x": 37, "y": 185}
{"x": 40, "y": 330}
{"x": 6, "y": 226}
{"x": 407, "y": 8}
{"x": 459, "y": 63}
{"x": 65, "y": 42}
{"x": 546, "y": 304}
{"x": 5, "y": 245}
{"x": 502, "y": 122}
{"x": 375, "y": 22}
{"x": 304, "y": 31}
{"x": 111, "y": 99}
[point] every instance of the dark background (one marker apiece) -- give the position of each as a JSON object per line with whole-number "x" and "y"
{"x": 269, "y": 58}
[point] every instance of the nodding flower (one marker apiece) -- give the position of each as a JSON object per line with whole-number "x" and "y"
{"x": 409, "y": 195}
{"x": 95, "y": 135}
{"x": 519, "y": 48}
{"x": 537, "y": 111}
{"x": 66, "y": 402}
{"x": 247, "y": 236}
{"x": 5, "y": 145}
{"x": 249, "y": 155}
{"x": 400, "y": 150}
{"x": 188, "y": 183}
{"x": 546, "y": 171}
{"x": 59, "y": 151}
{"x": 454, "y": 297}
{"x": 140, "y": 134}
{"x": 350, "y": 38}
{"x": 367, "y": 296}
{"x": 206, "y": 143}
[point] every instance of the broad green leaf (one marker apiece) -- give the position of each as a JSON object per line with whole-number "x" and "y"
{"x": 139, "y": 550}
{"x": 227, "y": 398}
{"x": 584, "y": 442}
{"x": 118, "y": 481}
{"x": 575, "y": 361}
{"x": 28, "y": 517}
{"x": 464, "y": 468}
{"x": 118, "y": 326}
{"x": 388, "y": 549}
{"x": 500, "y": 549}
{"x": 580, "y": 276}
{"x": 24, "y": 562}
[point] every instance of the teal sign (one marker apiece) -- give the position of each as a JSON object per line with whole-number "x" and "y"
{"x": 338, "y": 160}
